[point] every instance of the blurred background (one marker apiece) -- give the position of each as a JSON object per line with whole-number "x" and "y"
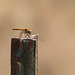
{"x": 53, "y": 20}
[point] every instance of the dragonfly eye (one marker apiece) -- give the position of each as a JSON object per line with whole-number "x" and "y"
{"x": 26, "y": 30}
{"x": 29, "y": 32}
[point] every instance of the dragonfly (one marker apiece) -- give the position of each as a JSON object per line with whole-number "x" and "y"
{"x": 26, "y": 31}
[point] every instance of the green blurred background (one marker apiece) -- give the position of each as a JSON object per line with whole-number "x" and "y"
{"x": 53, "y": 20}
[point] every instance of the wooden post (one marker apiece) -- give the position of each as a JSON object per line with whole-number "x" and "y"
{"x": 24, "y": 56}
